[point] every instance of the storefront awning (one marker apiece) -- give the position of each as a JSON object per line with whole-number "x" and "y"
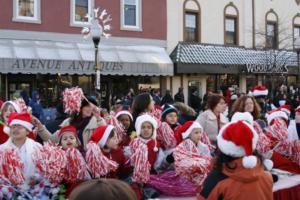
{"x": 198, "y": 58}
{"x": 48, "y": 57}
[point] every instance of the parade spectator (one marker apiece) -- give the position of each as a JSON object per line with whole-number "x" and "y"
{"x": 128, "y": 100}
{"x": 237, "y": 173}
{"x": 37, "y": 107}
{"x": 86, "y": 121}
{"x": 185, "y": 113}
{"x": 25, "y": 95}
{"x": 167, "y": 99}
{"x": 260, "y": 93}
{"x": 107, "y": 189}
{"x": 179, "y": 96}
{"x": 212, "y": 120}
{"x": 156, "y": 97}
{"x": 195, "y": 100}
{"x": 142, "y": 104}
{"x": 53, "y": 126}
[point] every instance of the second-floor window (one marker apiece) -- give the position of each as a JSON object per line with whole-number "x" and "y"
{"x": 296, "y": 32}
{"x": 191, "y": 27}
{"x": 231, "y": 31}
{"x": 79, "y": 10}
{"x": 271, "y": 35}
{"x": 131, "y": 14}
{"x": 26, "y": 11}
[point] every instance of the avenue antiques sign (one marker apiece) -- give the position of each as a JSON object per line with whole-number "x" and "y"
{"x": 265, "y": 68}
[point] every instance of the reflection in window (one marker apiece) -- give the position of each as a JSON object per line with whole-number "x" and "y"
{"x": 130, "y": 13}
{"x": 26, "y": 8}
{"x": 231, "y": 30}
{"x": 191, "y": 27}
{"x": 81, "y": 9}
{"x": 271, "y": 35}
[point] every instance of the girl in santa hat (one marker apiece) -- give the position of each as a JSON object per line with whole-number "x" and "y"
{"x": 20, "y": 127}
{"x": 146, "y": 154}
{"x": 285, "y": 154}
{"x": 68, "y": 137}
{"x": 104, "y": 157}
{"x": 125, "y": 118}
{"x": 237, "y": 171}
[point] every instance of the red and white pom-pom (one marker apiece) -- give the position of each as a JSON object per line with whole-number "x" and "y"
{"x": 72, "y": 99}
{"x": 21, "y": 103}
{"x": 50, "y": 161}
{"x": 119, "y": 130}
{"x": 76, "y": 168}
{"x": 139, "y": 159}
{"x": 264, "y": 144}
{"x": 190, "y": 163}
{"x": 98, "y": 164}
{"x": 166, "y": 136}
{"x": 277, "y": 132}
{"x": 11, "y": 166}
{"x": 205, "y": 140}
{"x": 296, "y": 152}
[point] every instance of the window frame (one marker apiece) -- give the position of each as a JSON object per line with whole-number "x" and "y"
{"x": 196, "y": 13}
{"x": 275, "y": 24}
{"x": 75, "y": 23}
{"x": 26, "y": 19}
{"x": 138, "y": 19}
{"x": 236, "y": 28}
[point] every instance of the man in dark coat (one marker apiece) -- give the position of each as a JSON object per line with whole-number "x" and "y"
{"x": 179, "y": 97}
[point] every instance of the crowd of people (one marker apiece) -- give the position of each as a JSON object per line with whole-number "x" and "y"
{"x": 153, "y": 146}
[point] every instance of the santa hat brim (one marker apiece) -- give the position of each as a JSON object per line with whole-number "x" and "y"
{"x": 16, "y": 106}
{"x": 105, "y": 136}
{"x": 244, "y": 116}
{"x": 256, "y": 93}
{"x": 187, "y": 133}
{"x": 273, "y": 115}
{"x": 124, "y": 112}
{"x": 231, "y": 149}
{"x": 25, "y": 124}
{"x": 145, "y": 118}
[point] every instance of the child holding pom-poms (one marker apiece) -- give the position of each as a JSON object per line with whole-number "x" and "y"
{"x": 125, "y": 118}
{"x": 104, "y": 157}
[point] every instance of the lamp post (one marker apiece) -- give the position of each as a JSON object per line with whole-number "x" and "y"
{"x": 96, "y": 29}
{"x": 297, "y": 49}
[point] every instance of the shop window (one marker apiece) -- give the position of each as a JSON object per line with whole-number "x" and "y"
{"x": 131, "y": 17}
{"x": 231, "y": 31}
{"x": 79, "y": 10}
{"x": 271, "y": 35}
{"x": 28, "y": 11}
{"x": 191, "y": 27}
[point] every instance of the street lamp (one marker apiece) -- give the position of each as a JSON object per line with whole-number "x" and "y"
{"x": 297, "y": 49}
{"x": 96, "y": 29}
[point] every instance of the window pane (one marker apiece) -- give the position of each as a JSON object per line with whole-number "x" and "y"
{"x": 191, "y": 27}
{"x": 230, "y": 24}
{"x": 271, "y": 29}
{"x": 81, "y": 9}
{"x": 26, "y": 8}
{"x": 271, "y": 39}
{"x": 130, "y": 2}
{"x": 296, "y": 32}
{"x": 130, "y": 15}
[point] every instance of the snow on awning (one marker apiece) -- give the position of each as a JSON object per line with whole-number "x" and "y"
{"x": 47, "y": 57}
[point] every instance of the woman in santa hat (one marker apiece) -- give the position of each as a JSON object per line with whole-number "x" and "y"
{"x": 20, "y": 127}
{"x": 238, "y": 173}
{"x": 104, "y": 157}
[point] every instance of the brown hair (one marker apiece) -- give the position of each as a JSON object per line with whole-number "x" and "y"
{"x": 184, "y": 109}
{"x": 104, "y": 189}
{"x": 213, "y": 100}
{"x": 239, "y": 106}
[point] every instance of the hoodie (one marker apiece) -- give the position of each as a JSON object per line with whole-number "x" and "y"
{"x": 238, "y": 183}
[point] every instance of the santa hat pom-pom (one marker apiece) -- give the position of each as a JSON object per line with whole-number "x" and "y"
{"x": 50, "y": 161}
{"x": 249, "y": 161}
{"x": 155, "y": 149}
{"x": 268, "y": 164}
{"x": 6, "y": 129}
{"x": 76, "y": 168}
{"x": 11, "y": 166}
{"x": 98, "y": 164}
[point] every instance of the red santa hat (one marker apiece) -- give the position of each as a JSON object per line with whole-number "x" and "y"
{"x": 185, "y": 130}
{"x": 124, "y": 112}
{"x": 244, "y": 116}
{"x": 259, "y": 90}
{"x": 101, "y": 134}
{"x": 22, "y": 119}
{"x": 297, "y": 109}
{"x": 145, "y": 118}
{"x": 275, "y": 114}
{"x": 239, "y": 139}
{"x": 286, "y": 109}
{"x": 14, "y": 104}
{"x": 67, "y": 129}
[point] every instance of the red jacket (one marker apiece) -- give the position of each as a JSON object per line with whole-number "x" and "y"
{"x": 124, "y": 168}
{"x": 3, "y": 136}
